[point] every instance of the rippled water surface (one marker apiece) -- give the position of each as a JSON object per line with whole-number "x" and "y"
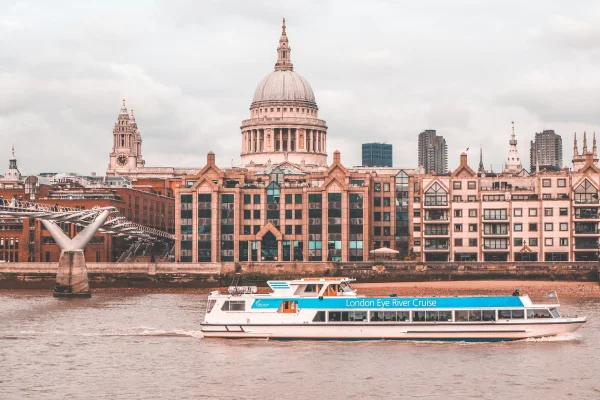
{"x": 148, "y": 346}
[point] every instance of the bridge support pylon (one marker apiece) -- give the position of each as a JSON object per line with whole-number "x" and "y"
{"x": 72, "y": 276}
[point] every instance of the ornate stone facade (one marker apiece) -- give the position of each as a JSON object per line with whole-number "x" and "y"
{"x": 284, "y": 124}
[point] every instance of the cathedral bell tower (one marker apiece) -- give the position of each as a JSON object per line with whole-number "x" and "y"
{"x": 126, "y": 155}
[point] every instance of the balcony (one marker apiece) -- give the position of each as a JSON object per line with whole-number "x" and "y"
{"x": 496, "y": 232}
{"x": 436, "y": 203}
{"x": 586, "y": 246}
{"x": 436, "y": 247}
{"x": 586, "y": 216}
{"x": 435, "y": 218}
{"x": 495, "y": 247}
{"x": 436, "y": 232}
{"x": 586, "y": 229}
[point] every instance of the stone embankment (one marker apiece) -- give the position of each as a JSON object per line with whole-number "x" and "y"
{"x": 205, "y": 275}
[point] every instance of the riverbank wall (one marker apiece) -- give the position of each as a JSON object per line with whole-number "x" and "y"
{"x": 197, "y": 275}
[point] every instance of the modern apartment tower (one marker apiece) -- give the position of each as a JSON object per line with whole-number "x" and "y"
{"x": 377, "y": 155}
{"x": 546, "y": 150}
{"x": 433, "y": 152}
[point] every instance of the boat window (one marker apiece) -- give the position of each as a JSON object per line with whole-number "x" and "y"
{"x": 418, "y": 316}
{"x": 345, "y": 287}
{"x": 462, "y": 316}
{"x": 319, "y": 316}
{"x": 475, "y": 315}
{"x": 311, "y": 289}
{"x": 538, "y": 313}
{"x": 489, "y": 315}
{"x": 445, "y": 316}
{"x": 354, "y": 316}
{"x": 511, "y": 314}
{"x": 210, "y": 305}
{"x": 288, "y": 306}
{"x": 403, "y": 315}
{"x": 234, "y": 306}
{"x": 431, "y": 315}
{"x": 331, "y": 290}
{"x": 376, "y": 316}
{"x": 389, "y": 316}
{"x": 554, "y": 313}
{"x": 334, "y": 316}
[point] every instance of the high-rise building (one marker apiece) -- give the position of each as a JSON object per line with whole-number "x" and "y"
{"x": 546, "y": 150}
{"x": 433, "y": 152}
{"x": 377, "y": 155}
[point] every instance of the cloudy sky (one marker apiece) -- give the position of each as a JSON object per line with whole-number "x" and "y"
{"x": 381, "y": 71}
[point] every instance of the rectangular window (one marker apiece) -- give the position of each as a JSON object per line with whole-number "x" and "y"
{"x": 298, "y": 214}
{"x": 458, "y": 242}
{"x": 532, "y": 227}
{"x": 298, "y": 230}
{"x": 518, "y": 242}
{"x": 518, "y": 212}
{"x": 564, "y": 241}
{"x": 458, "y": 213}
{"x": 288, "y": 229}
{"x": 288, "y": 214}
{"x": 231, "y": 305}
{"x": 288, "y": 199}
{"x": 472, "y": 227}
{"x": 471, "y": 199}
{"x": 377, "y": 201}
{"x": 473, "y": 242}
{"x": 386, "y": 216}
{"x": 548, "y": 241}
{"x": 377, "y": 216}
{"x": 417, "y": 243}
{"x": 546, "y": 183}
{"x": 563, "y": 212}
{"x": 563, "y": 226}
{"x": 472, "y": 185}
{"x": 247, "y": 229}
{"x": 533, "y": 242}
{"x": 472, "y": 212}
{"x": 386, "y": 202}
{"x": 377, "y": 187}
{"x": 548, "y": 226}
{"x": 257, "y": 199}
{"x": 377, "y": 231}
{"x": 518, "y": 227}
{"x": 386, "y": 187}
{"x": 457, "y": 198}
{"x": 247, "y": 199}
{"x": 417, "y": 214}
{"x": 298, "y": 198}
{"x": 256, "y": 214}
{"x": 533, "y": 212}
{"x": 458, "y": 228}
{"x": 457, "y": 184}
{"x": 247, "y": 214}
{"x": 417, "y": 228}
{"x": 561, "y": 183}
{"x": 547, "y": 212}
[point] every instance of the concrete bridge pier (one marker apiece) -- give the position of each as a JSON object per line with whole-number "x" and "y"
{"x": 72, "y": 277}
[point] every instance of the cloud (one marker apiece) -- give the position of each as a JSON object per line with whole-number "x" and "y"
{"x": 381, "y": 71}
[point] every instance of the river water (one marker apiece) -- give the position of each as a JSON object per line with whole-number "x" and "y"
{"x": 148, "y": 346}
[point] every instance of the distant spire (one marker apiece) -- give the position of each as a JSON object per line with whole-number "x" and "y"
{"x": 584, "y": 143}
{"x": 12, "y": 163}
{"x": 13, "y": 152}
{"x": 575, "y": 151}
{"x": 481, "y": 168}
{"x": 284, "y": 62}
{"x": 123, "y": 108}
{"x": 594, "y": 146}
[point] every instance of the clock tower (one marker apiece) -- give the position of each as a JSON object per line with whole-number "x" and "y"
{"x": 126, "y": 155}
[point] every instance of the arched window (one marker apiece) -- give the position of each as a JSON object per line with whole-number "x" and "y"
{"x": 436, "y": 196}
{"x": 586, "y": 193}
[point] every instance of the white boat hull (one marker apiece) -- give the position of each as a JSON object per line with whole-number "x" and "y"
{"x": 497, "y": 331}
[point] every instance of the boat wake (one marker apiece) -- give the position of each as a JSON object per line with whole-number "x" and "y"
{"x": 566, "y": 337}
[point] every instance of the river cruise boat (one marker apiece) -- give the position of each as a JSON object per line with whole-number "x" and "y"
{"x": 330, "y": 309}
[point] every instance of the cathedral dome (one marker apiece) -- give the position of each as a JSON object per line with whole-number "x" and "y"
{"x": 284, "y": 85}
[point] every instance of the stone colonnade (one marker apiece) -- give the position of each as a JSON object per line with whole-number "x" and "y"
{"x": 285, "y": 139}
